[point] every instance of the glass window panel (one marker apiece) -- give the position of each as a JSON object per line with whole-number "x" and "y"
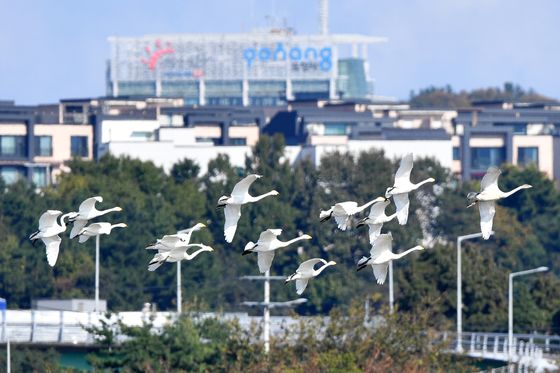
{"x": 10, "y": 174}
{"x": 335, "y": 129}
{"x": 40, "y": 176}
{"x": 528, "y": 155}
{"x": 482, "y": 158}
{"x": 43, "y": 146}
{"x": 79, "y": 146}
{"x": 456, "y": 153}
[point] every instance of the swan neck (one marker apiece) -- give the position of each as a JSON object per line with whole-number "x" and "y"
{"x": 398, "y": 256}
{"x": 288, "y": 243}
{"x": 423, "y": 182}
{"x": 318, "y": 271}
{"x": 194, "y": 254}
{"x": 109, "y": 210}
{"x": 258, "y": 198}
{"x": 514, "y": 191}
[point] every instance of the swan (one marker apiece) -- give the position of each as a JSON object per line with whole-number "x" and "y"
{"x": 306, "y": 271}
{"x": 232, "y": 204}
{"x": 49, "y": 230}
{"x": 87, "y": 211}
{"x": 96, "y": 229}
{"x": 267, "y": 244}
{"x": 375, "y": 219}
{"x": 342, "y": 212}
{"x": 486, "y": 199}
{"x": 171, "y": 241}
{"x": 176, "y": 255}
{"x": 402, "y": 186}
{"x": 381, "y": 254}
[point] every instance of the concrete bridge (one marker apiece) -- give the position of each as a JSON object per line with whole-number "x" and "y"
{"x": 535, "y": 351}
{"x": 530, "y": 352}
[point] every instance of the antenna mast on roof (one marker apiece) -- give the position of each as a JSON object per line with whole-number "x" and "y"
{"x": 324, "y": 16}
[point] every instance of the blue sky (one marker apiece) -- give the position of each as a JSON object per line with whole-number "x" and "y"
{"x": 58, "y": 49}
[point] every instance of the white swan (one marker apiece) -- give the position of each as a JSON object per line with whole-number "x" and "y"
{"x": 49, "y": 230}
{"x": 267, "y": 244}
{"x": 306, "y": 271}
{"x": 175, "y": 255}
{"x": 342, "y": 212}
{"x": 96, "y": 229}
{"x": 171, "y": 241}
{"x": 239, "y": 196}
{"x": 489, "y": 193}
{"x": 87, "y": 211}
{"x": 381, "y": 254}
{"x": 376, "y": 219}
{"x": 402, "y": 186}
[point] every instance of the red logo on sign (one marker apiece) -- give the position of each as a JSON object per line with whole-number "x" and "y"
{"x": 157, "y": 54}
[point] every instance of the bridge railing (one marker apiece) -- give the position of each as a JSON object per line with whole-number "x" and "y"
{"x": 498, "y": 342}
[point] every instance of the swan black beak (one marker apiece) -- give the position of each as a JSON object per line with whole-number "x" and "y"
{"x": 245, "y": 252}
{"x": 361, "y": 222}
{"x": 360, "y": 267}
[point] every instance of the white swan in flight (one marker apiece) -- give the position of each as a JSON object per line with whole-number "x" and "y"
{"x": 232, "y": 204}
{"x": 96, "y": 229}
{"x": 342, "y": 212}
{"x": 87, "y": 211}
{"x": 376, "y": 219}
{"x": 171, "y": 241}
{"x": 49, "y": 230}
{"x": 381, "y": 254}
{"x": 267, "y": 244}
{"x": 486, "y": 199}
{"x": 402, "y": 186}
{"x": 307, "y": 271}
{"x": 175, "y": 255}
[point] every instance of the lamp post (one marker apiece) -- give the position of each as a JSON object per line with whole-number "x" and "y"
{"x": 510, "y": 302}
{"x": 97, "y": 273}
{"x": 267, "y": 304}
{"x": 460, "y": 239}
{"x": 391, "y": 294}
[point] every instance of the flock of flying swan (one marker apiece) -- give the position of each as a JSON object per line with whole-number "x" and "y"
{"x": 175, "y": 247}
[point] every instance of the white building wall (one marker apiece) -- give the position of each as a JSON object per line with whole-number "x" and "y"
{"x": 122, "y": 130}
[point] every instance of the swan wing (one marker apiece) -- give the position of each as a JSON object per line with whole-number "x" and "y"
{"x": 345, "y": 208}
{"x": 378, "y": 209}
{"x": 382, "y": 244}
{"x": 232, "y": 213}
{"x": 264, "y": 258}
{"x": 48, "y": 219}
{"x": 269, "y": 235}
{"x": 374, "y": 232}
{"x": 52, "y": 245}
{"x": 487, "y": 212}
{"x": 380, "y": 272}
{"x": 403, "y": 173}
{"x": 490, "y": 179}
{"x": 307, "y": 267}
{"x": 342, "y": 221}
{"x": 402, "y": 203}
{"x": 172, "y": 241}
{"x": 88, "y": 205}
{"x": 301, "y": 284}
{"x": 79, "y": 224}
{"x": 242, "y": 187}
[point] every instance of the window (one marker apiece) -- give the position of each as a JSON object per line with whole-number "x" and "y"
{"x": 14, "y": 146}
{"x": 456, "y": 153}
{"x": 43, "y": 146}
{"x": 335, "y": 129}
{"x": 238, "y": 141}
{"x": 79, "y": 146}
{"x": 527, "y": 155}
{"x": 11, "y": 174}
{"x": 482, "y": 158}
{"x": 520, "y": 128}
{"x": 40, "y": 176}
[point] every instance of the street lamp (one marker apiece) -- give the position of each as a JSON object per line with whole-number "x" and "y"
{"x": 510, "y": 302}
{"x": 460, "y": 239}
{"x": 267, "y": 304}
